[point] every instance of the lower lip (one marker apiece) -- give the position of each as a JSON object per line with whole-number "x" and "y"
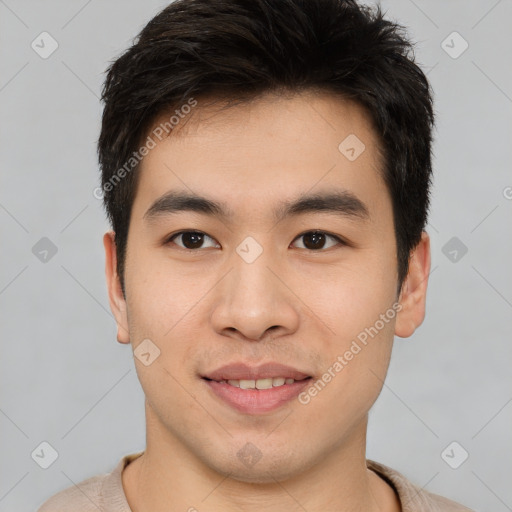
{"x": 256, "y": 401}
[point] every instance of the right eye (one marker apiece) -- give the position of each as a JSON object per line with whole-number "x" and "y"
{"x": 190, "y": 240}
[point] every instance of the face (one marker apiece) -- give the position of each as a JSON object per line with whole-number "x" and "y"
{"x": 294, "y": 265}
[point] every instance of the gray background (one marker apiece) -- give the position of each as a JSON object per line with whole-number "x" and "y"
{"x": 66, "y": 380}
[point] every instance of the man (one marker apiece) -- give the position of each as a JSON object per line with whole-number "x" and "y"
{"x": 266, "y": 169}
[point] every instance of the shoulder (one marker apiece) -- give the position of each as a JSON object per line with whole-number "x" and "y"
{"x": 414, "y": 498}
{"x": 103, "y": 493}
{"x": 84, "y": 496}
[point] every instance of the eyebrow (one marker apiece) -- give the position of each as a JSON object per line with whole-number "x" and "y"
{"x": 341, "y": 202}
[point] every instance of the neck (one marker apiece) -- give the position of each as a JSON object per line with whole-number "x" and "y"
{"x": 168, "y": 477}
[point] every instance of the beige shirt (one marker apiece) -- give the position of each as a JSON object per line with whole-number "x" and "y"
{"x": 105, "y": 493}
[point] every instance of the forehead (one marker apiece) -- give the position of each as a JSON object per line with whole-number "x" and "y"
{"x": 271, "y": 147}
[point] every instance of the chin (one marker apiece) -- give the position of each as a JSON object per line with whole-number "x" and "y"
{"x": 269, "y": 469}
{"x": 262, "y": 475}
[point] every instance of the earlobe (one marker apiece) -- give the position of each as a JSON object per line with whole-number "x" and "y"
{"x": 414, "y": 290}
{"x": 115, "y": 293}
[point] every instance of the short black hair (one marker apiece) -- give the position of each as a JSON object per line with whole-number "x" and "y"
{"x": 242, "y": 49}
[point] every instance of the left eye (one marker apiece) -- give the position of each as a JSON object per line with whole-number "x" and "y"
{"x": 315, "y": 240}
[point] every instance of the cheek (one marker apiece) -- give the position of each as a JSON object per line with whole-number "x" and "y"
{"x": 353, "y": 374}
{"x": 360, "y": 309}
{"x": 159, "y": 295}
{"x": 353, "y": 298}
{"x": 164, "y": 306}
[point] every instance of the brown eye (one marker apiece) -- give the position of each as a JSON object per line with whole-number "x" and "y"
{"x": 316, "y": 240}
{"x": 190, "y": 239}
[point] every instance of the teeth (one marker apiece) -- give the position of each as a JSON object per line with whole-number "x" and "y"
{"x": 264, "y": 383}
{"x": 260, "y": 383}
{"x": 247, "y": 384}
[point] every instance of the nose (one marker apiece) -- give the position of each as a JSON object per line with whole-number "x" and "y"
{"x": 254, "y": 302}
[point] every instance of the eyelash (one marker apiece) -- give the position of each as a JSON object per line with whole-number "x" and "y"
{"x": 338, "y": 239}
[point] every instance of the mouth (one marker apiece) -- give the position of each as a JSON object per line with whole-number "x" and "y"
{"x": 267, "y": 383}
{"x": 256, "y": 390}
{"x": 245, "y": 374}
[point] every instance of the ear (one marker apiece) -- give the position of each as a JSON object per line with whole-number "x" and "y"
{"x": 414, "y": 290}
{"x": 115, "y": 293}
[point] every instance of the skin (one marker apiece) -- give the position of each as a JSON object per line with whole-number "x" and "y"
{"x": 207, "y": 308}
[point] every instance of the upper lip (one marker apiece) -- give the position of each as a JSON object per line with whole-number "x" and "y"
{"x": 243, "y": 371}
